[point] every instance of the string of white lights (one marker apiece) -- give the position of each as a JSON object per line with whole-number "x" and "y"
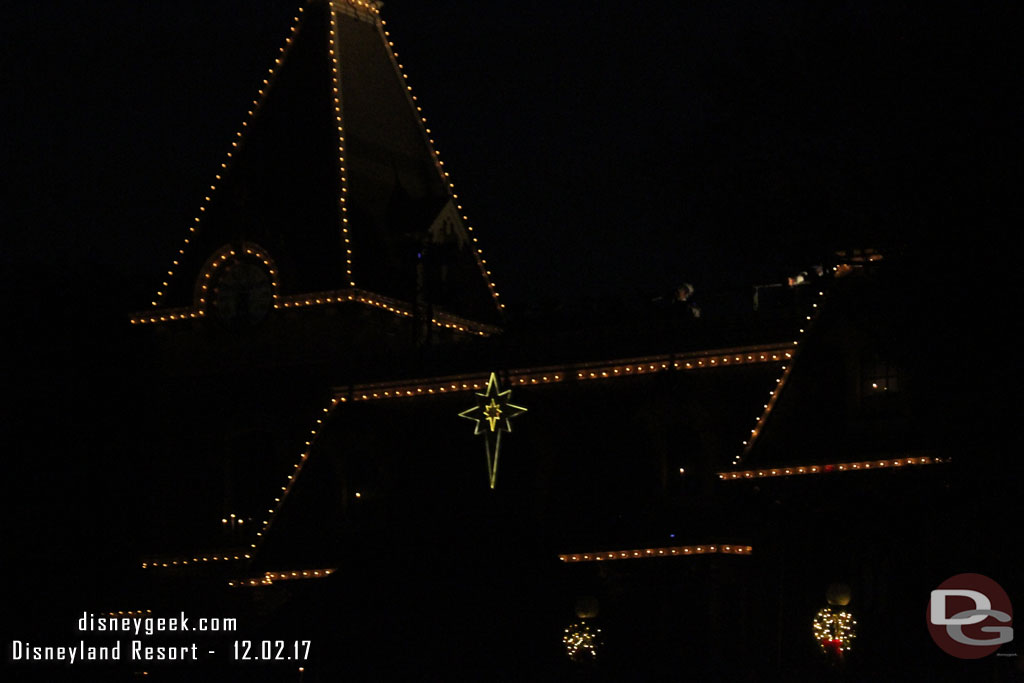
{"x": 446, "y": 175}
{"x": 236, "y": 143}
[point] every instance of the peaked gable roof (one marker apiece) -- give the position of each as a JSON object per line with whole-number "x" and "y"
{"x": 333, "y": 177}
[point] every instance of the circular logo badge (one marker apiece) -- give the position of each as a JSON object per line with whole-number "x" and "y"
{"x": 969, "y": 616}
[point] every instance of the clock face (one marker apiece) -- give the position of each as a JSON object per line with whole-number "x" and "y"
{"x": 242, "y": 294}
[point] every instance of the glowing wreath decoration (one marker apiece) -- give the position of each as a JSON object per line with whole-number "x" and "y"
{"x": 581, "y": 641}
{"x": 834, "y": 631}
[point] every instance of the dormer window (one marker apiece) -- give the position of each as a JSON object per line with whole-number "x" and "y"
{"x": 879, "y": 376}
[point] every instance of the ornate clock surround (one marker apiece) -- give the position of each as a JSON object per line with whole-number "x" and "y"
{"x": 238, "y": 284}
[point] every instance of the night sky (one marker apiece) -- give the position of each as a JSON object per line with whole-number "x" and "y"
{"x": 602, "y": 149}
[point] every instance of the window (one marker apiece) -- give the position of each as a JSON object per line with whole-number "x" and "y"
{"x": 881, "y": 387}
{"x": 879, "y": 377}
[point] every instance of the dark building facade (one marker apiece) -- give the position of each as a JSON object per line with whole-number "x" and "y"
{"x": 690, "y": 486}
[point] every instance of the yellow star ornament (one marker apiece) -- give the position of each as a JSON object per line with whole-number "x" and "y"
{"x": 492, "y": 413}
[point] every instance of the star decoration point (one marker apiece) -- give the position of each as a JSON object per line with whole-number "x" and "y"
{"x": 492, "y": 414}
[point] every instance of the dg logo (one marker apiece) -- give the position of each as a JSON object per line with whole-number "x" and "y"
{"x": 969, "y": 616}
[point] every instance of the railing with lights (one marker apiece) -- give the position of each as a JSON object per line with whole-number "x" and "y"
{"x": 270, "y": 577}
{"x": 672, "y": 551}
{"x": 765, "y": 353}
{"x": 858, "y": 466}
{"x": 166, "y": 563}
{"x": 325, "y": 298}
{"x": 697, "y": 360}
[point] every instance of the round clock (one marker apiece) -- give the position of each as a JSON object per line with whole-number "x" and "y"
{"x": 242, "y": 293}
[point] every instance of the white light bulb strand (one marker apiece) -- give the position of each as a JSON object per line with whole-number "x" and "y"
{"x": 274, "y": 509}
{"x": 236, "y": 144}
{"x": 339, "y": 120}
{"x": 439, "y": 165}
{"x": 782, "y": 380}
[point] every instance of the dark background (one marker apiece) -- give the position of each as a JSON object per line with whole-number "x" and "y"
{"x": 603, "y": 150}
{"x": 640, "y": 143}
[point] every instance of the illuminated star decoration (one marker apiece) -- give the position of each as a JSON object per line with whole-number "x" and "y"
{"x": 492, "y": 413}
